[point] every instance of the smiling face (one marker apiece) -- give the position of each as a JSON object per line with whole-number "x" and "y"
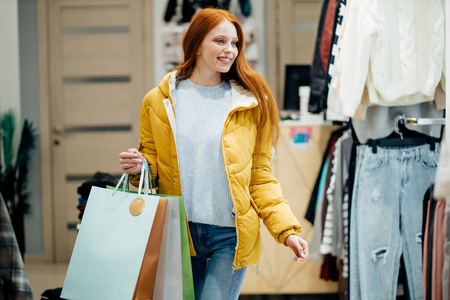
{"x": 216, "y": 53}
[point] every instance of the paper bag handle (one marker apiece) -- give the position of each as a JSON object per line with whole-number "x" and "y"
{"x": 124, "y": 179}
{"x": 144, "y": 179}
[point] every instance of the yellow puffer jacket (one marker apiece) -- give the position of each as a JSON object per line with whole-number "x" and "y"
{"x": 254, "y": 190}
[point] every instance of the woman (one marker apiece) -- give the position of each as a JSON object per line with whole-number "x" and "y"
{"x": 217, "y": 152}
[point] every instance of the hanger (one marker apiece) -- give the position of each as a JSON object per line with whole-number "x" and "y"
{"x": 402, "y": 136}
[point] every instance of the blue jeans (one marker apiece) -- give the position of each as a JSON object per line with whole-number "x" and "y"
{"x": 386, "y": 219}
{"x": 214, "y": 277}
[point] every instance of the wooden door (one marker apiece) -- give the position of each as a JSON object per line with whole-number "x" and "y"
{"x": 100, "y": 69}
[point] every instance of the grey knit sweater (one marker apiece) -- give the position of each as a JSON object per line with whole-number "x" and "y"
{"x": 200, "y": 115}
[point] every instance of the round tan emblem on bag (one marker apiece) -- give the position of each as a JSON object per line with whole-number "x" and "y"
{"x": 137, "y": 206}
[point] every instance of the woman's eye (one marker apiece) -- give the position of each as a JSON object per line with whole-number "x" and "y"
{"x": 219, "y": 41}
{"x": 234, "y": 43}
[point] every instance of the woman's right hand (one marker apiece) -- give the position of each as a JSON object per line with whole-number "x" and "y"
{"x": 131, "y": 161}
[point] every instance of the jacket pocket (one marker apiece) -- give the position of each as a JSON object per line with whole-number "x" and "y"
{"x": 252, "y": 202}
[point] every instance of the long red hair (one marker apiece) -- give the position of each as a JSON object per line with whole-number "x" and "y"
{"x": 203, "y": 22}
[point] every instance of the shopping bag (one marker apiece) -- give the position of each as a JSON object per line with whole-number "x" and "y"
{"x": 147, "y": 275}
{"x": 174, "y": 279}
{"x": 178, "y": 276}
{"x": 111, "y": 243}
{"x": 188, "y": 279}
{"x": 169, "y": 279}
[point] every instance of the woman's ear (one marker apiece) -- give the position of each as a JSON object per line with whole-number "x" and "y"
{"x": 199, "y": 50}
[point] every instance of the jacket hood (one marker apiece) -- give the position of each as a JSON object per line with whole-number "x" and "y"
{"x": 167, "y": 85}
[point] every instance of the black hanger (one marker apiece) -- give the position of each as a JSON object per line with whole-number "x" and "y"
{"x": 402, "y": 136}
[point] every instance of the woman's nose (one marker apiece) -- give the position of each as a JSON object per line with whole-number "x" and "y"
{"x": 228, "y": 47}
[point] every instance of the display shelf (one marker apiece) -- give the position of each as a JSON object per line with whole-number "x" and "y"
{"x": 290, "y": 123}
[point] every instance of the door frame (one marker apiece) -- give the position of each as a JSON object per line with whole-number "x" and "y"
{"x": 45, "y": 113}
{"x": 45, "y": 126}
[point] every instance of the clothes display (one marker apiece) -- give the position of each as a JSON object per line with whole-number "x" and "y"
{"x": 384, "y": 64}
{"x": 362, "y": 72}
{"x": 389, "y": 186}
{"x": 335, "y": 234}
{"x": 182, "y": 11}
{"x": 331, "y": 204}
{"x": 384, "y": 213}
{"x": 409, "y": 71}
{"x": 428, "y": 247}
{"x": 333, "y": 239}
{"x": 441, "y": 191}
{"x": 317, "y": 208}
{"x": 311, "y": 210}
{"x": 318, "y": 73}
{"x": 333, "y": 103}
{"x": 438, "y": 249}
{"x": 434, "y": 257}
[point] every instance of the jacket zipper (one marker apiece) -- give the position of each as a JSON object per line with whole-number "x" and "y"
{"x": 231, "y": 194}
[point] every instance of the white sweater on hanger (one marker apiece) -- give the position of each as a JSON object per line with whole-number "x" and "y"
{"x": 396, "y": 47}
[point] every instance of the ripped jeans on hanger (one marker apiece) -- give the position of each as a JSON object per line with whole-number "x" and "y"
{"x": 386, "y": 219}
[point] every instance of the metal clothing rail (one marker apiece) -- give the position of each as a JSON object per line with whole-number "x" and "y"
{"x": 425, "y": 121}
{"x": 421, "y": 121}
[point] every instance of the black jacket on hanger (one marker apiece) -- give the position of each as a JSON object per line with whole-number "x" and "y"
{"x": 318, "y": 76}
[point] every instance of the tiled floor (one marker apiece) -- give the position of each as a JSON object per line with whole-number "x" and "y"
{"x": 45, "y": 276}
{"x": 50, "y": 276}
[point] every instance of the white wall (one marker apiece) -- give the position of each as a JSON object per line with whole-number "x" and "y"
{"x": 9, "y": 58}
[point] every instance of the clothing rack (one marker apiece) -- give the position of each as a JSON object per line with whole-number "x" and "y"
{"x": 421, "y": 121}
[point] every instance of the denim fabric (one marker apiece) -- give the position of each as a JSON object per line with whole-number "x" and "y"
{"x": 430, "y": 252}
{"x": 386, "y": 219}
{"x": 214, "y": 277}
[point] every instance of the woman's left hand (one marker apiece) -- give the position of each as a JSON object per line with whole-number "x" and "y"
{"x": 299, "y": 246}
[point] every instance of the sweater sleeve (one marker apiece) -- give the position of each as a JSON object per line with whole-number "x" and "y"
{"x": 353, "y": 62}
